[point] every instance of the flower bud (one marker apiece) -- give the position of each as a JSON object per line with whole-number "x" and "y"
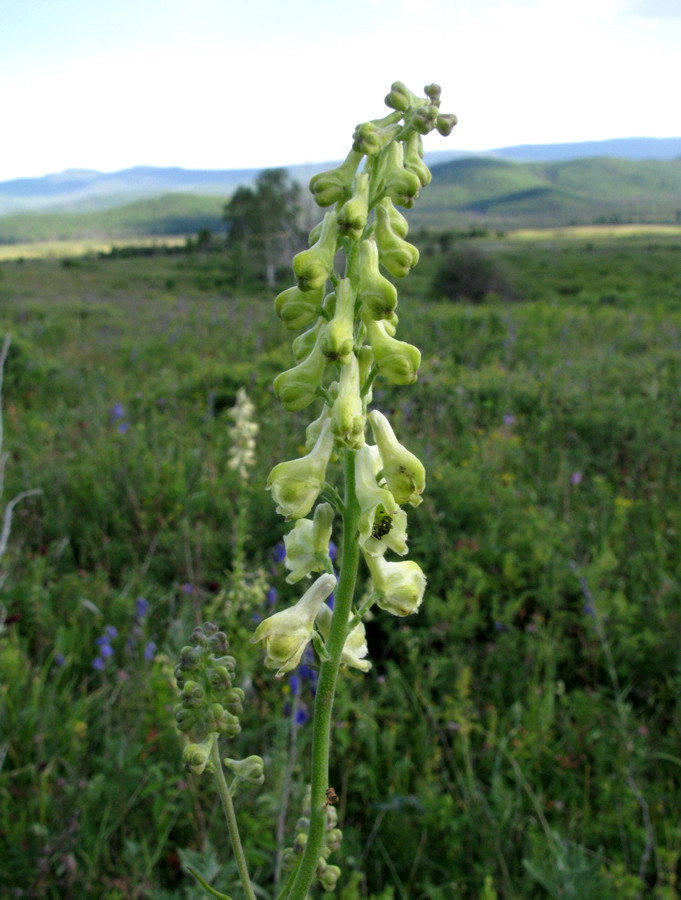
{"x": 234, "y": 701}
{"x": 329, "y": 878}
{"x": 334, "y": 839}
{"x": 355, "y": 647}
{"x": 286, "y": 634}
{"x": 397, "y": 221}
{"x": 222, "y": 721}
{"x": 196, "y": 757}
{"x": 433, "y": 91}
{"x": 331, "y": 817}
{"x": 250, "y": 770}
{"x": 404, "y": 474}
{"x": 395, "y": 254}
{"x": 347, "y": 413}
{"x": 303, "y": 345}
{"x": 296, "y": 308}
{"x": 381, "y": 523}
{"x": 377, "y": 295}
{"x": 313, "y": 266}
{"x": 371, "y": 137}
{"x": 339, "y": 339}
{"x": 396, "y": 360}
{"x": 400, "y": 585}
{"x": 193, "y": 695}
{"x": 400, "y": 97}
{"x": 322, "y": 866}
{"x": 220, "y": 678}
{"x": 424, "y": 118}
{"x": 289, "y": 859}
{"x": 334, "y": 185}
{"x": 401, "y": 185}
{"x": 296, "y": 484}
{"x": 185, "y": 719}
{"x": 353, "y": 215}
{"x": 445, "y": 123}
{"x": 296, "y": 388}
{"x": 307, "y": 544}
{"x": 413, "y": 159}
{"x": 314, "y": 429}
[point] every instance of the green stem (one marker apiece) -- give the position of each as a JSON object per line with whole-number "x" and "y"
{"x": 326, "y": 686}
{"x": 230, "y": 816}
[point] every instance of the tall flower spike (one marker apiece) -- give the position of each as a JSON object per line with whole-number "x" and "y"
{"x": 286, "y": 634}
{"x": 296, "y": 484}
{"x": 400, "y": 585}
{"x": 403, "y": 472}
{"x": 382, "y": 523}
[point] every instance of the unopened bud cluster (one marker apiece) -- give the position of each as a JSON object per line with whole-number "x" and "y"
{"x": 347, "y": 325}
{"x": 209, "y": 703}
{"x": 327, "y": 875}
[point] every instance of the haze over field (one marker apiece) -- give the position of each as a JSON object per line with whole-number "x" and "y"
{"x": 215, "y": 84}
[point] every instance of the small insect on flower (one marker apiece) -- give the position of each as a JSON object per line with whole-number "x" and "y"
{"x": 331, "y": 796}
{"x": 382, "y": 524}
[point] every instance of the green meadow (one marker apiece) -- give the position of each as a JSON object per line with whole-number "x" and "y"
{"x": 518, "y": 738}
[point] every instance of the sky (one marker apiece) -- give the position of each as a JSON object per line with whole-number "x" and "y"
{"x": 230, "y": 84}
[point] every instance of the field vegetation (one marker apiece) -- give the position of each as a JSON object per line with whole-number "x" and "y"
{"x": 519, "y": 740}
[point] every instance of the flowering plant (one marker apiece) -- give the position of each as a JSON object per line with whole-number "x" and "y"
{"x": 348, "y": 324}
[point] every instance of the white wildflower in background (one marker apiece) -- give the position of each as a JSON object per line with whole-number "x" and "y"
{"x": 242, "y": 434}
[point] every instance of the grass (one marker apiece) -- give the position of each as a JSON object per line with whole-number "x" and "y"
{"x": 518, "y": 738}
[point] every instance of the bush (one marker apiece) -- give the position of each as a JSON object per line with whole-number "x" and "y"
{"x": 468, "y": 274}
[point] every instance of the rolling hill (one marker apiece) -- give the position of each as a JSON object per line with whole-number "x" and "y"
{"x": 465, "y": 191}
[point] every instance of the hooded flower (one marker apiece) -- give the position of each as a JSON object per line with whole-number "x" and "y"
{"x": 382, "y": 523}
{"x": 355, "y": 647}
{"x": 307, "y": 544}
{"x": 296, "y": 484}
{"x": 403, "y": 472}
{"x": 400, "y": 585}
{"x": 286, "y": 634}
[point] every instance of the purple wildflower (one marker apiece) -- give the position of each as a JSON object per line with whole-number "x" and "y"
{"x": 59, "y": 659}
{"x": 279, "y": 552}
{"x": 111, "y": 631}
{"x": 98, "y": 663}
{"x": 333, "y": 551}
{"x": 149, "y": 651}
{"x": 576, "y": 478}
{"x": 141, "y": 607}
{"x": 509, "y": 419}
{"x": 117, "y": 411}
{"x": 272, "y": 596}
{"x": 123, "y": 427}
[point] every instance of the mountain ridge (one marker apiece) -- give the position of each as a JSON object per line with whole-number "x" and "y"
{"x": 89, "y": 190}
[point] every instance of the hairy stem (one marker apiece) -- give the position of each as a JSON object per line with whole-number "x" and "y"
{"x": 230, "y": 816}
{"x": 326, "y": 686}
